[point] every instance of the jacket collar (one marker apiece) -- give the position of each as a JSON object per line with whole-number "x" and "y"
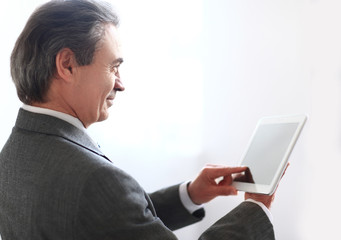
{"x": 50, "y": 125}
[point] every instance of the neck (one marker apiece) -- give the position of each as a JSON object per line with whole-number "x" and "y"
{"x": 63, "y": 108}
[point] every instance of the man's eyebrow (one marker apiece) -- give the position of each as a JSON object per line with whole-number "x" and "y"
{"x": 117, "y": 61}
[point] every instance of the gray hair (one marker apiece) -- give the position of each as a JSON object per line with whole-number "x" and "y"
{"x": 74, "y": 24}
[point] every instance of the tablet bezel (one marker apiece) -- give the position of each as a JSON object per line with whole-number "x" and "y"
{"x": 269, "y": 189}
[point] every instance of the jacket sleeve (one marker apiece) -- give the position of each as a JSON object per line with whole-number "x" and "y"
{"x": 170, "y": 209}
{"x": 113, "y": 206}
{"x": 246, "y": 222}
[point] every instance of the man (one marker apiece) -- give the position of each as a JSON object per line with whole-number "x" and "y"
{"x": 55, "y": 183}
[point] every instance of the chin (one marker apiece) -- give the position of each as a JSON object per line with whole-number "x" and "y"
{"x": 103, "y": 116}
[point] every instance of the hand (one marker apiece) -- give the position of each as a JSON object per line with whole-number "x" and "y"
{"x": 265, "y": 199}
{"x": 204, "y": 188}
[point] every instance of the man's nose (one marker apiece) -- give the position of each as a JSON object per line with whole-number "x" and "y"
{"x": 118, "y": 85}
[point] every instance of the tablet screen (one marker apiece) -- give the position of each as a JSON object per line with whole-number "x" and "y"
{"x": 266, "y": 151}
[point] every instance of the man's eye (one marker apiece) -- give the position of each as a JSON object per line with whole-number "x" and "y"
{"x": 115, "y": 68}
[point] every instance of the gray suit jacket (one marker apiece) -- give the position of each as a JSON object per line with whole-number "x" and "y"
{"x": 56, "y": 184}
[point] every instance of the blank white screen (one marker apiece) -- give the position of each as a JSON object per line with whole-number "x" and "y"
{"x": 267, "y": 149}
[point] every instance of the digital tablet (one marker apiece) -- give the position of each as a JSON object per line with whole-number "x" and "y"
{"x": 268, "y": 152}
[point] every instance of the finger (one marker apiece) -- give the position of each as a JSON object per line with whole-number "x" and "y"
{"x": 223, "y": 171}
{"x": 226, "y": 191}
{"x": 227, "y": 180}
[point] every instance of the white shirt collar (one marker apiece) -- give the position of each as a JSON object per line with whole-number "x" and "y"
{"x": 63, "y": 116}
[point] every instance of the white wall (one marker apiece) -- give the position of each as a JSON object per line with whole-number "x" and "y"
{"x": 198, "y": 75}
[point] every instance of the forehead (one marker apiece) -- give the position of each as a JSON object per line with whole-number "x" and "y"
{"x": 110, "y": 43}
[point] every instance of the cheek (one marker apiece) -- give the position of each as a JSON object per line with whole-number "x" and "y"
{"x": 110, "y": 81}
{"x": 106, "y": 85}
{"x": 107, "y": 88}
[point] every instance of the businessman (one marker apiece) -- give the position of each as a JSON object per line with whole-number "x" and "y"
{"x": 55, "y": 182}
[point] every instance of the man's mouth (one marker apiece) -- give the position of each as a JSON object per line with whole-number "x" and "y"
{"x": 110, "y": 99}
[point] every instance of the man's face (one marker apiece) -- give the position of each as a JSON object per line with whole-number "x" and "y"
{"x": 97, "y": 83}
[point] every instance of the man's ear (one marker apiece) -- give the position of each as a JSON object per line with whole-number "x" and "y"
{"x": 65, "y": 63}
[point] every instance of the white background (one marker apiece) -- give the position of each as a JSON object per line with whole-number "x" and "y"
{"x": 198, "y": 75}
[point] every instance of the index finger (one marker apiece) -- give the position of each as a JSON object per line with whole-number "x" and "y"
{"x": 215, "y": 172}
